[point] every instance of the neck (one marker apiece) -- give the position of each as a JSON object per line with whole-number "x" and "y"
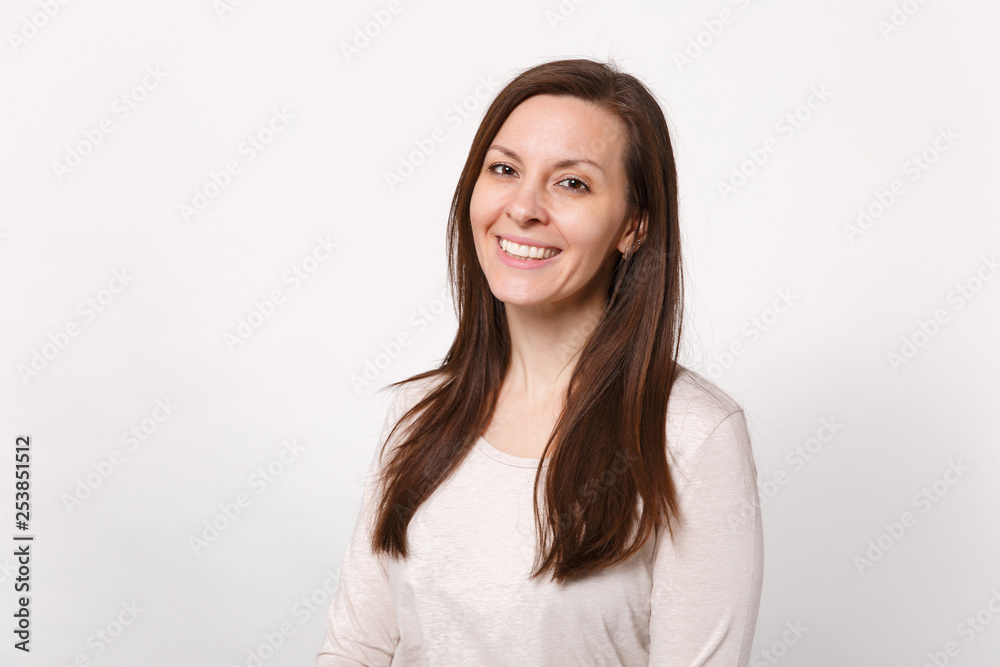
{"x": 546, "y": 342}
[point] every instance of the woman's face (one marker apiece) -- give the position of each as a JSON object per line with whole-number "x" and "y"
{"x": 552, "y": 179}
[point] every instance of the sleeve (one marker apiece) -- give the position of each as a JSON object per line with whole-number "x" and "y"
{"x": 707, "y": 582}
{"x": 361, "y": 627}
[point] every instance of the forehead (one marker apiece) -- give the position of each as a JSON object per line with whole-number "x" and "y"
{"x": 551, "y": 128}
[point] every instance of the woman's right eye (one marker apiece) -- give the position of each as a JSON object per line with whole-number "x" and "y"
{"x": 504, "y": 165}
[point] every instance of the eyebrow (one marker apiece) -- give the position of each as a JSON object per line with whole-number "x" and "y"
{"x": 569, "y": 162}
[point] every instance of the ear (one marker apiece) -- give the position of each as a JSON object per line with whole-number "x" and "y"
{"x": 636, "y": 227}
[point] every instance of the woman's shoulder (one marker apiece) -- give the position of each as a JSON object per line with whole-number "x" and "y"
{"x": 697, "y": 406}
{"x": 401, "y": 397}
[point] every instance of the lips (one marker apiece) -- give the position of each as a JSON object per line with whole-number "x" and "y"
{"x": 541, "y": 259}
{"x": 521, "y": 252}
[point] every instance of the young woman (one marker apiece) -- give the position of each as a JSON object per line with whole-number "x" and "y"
{"x": 560, "y": 491}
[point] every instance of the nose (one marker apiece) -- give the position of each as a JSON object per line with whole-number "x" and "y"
{"x": 527, "y": 204}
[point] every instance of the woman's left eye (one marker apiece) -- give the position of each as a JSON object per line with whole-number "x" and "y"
{"x": 581, "y": 185}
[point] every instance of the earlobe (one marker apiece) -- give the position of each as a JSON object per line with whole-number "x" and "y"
{"x": 635, "y": 234}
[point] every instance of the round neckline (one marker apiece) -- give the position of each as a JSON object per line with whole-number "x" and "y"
{"x": 509, "y": 459}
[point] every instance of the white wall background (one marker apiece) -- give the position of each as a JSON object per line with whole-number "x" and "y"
{"x": 865, "y": 583}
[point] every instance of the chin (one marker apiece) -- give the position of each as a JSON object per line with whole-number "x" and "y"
{"x": 515, "y": 297}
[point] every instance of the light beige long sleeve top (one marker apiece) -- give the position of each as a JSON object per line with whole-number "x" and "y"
{"x": 463, "y": 597}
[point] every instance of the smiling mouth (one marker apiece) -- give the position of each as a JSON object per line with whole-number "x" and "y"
{"x": 520, "y": 251}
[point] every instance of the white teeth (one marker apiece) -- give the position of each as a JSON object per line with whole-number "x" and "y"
{"x": 526, "y": 251}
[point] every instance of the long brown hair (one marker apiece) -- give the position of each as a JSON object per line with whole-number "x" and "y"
{"x": 616, "y": 401}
